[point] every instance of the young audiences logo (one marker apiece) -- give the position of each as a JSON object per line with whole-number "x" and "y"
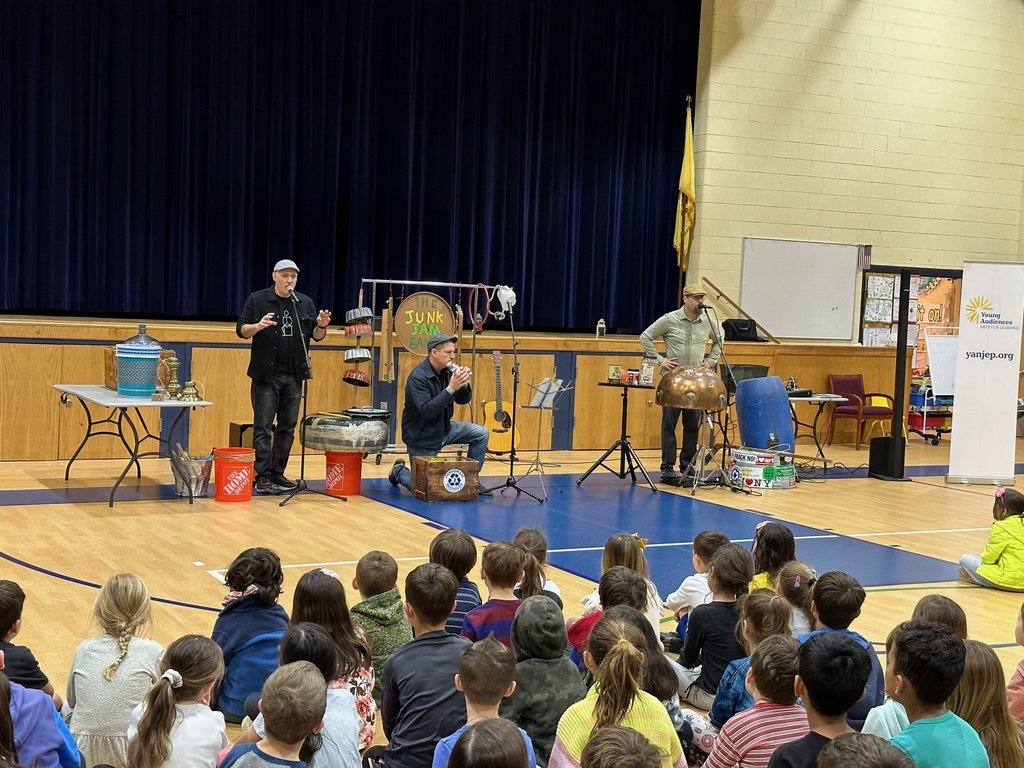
{"x": 980, "y": 312}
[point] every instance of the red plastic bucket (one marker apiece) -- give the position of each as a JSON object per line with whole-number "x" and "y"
{"x": 344, "y": 471}
{"x": 233, "y": 473}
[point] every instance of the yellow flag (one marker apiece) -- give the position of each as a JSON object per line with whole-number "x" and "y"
{"x": 686, "y": 207}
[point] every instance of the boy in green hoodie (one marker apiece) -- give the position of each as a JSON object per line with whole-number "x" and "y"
{"x": 381, "y": 613}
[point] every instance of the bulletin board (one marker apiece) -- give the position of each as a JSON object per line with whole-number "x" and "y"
{"x": 800, "y": 288}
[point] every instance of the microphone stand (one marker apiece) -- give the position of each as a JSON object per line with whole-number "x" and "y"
{"x": 301, "y": 486}
{"x": 510, "y": 481}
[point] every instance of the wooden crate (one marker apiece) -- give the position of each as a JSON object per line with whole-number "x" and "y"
{"x": 437, "y": 479}
{"x": 110, "y": 368}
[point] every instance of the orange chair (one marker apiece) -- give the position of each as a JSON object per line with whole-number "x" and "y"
{"x": 851, "y": 386}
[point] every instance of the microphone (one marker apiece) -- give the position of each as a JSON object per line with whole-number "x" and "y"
{"x": 705, "y": 308}
{"x": 291, "y": 292}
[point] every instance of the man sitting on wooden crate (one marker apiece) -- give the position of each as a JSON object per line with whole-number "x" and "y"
{"x": 431, "y": 391}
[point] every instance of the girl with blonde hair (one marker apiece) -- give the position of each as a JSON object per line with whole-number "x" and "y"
{"x": 980, "y": 699}
{"x": 794, "y": 582}
{"x": 615, "y": 658}
{"x": 534, "y": 544}
{"x": 111, "y": 672}
{"x": 627, "y": 549}
{"x": 174, "y": 726}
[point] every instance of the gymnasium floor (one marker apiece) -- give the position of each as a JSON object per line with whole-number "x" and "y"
{"x": 60, "y": 539}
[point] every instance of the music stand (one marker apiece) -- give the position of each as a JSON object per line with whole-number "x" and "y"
{"x": 546, "y": 394}
{"x": 627, "y": 456}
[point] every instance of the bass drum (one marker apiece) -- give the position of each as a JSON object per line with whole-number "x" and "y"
{"x": 357, "y": 430}
{"x": 419, "y": 317}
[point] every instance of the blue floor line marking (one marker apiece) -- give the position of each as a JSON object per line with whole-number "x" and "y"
{"x": 576, "y": 517}
{"x": 93, "y": 585}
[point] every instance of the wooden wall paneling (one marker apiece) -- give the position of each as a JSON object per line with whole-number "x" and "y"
{"x": 598, "y": 413}
{"x": 29, "y": 407}
{"x": 220, "y": 372}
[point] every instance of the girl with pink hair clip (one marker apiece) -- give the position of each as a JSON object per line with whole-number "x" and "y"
{"x": 1001, "y": 564}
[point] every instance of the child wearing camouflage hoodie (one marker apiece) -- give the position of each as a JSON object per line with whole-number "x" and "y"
{"x": 381, "y": 613}
{"x": 547, "y": 683}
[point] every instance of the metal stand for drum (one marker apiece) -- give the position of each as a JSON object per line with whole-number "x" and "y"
{"x": 705, "y": 468}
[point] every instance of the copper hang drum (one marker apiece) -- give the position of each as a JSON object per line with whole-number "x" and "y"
{"x": 697, "y": 389}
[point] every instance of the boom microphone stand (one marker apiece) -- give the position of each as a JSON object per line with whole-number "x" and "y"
{"x": 510, "y": 481}
{"x": 300, "y": 484}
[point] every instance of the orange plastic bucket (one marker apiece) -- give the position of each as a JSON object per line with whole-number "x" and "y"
{"x": 344, "y": 471}
{"x": 233, "y": 473}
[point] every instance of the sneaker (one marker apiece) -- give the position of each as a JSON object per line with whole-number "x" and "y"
{"x": 263, "y": 486}
{"x": 395, "y": 469}
{"x": 672, "y": 642}
{"x": 282, "y": 483}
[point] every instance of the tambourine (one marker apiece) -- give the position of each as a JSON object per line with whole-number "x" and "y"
{"x": 356, "y": 378}
{"x": 358, "y": 315}
{"x": 357, "y": 355}
{"x": 358, "y": 329}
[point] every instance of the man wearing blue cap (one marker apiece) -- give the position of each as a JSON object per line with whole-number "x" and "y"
{"x": 431, "y": 391}
{"x": 273, "y": 318}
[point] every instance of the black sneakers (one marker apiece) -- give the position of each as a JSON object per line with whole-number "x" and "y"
{"x": 263, "y": 486}
{"x": 395, "y": 469}
{"x": 282, "y": 483}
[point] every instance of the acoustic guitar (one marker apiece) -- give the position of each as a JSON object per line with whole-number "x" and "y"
{"x": 503, "y": 439}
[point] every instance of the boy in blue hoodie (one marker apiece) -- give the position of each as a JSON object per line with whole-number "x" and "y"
{"x": 835, "y": 602}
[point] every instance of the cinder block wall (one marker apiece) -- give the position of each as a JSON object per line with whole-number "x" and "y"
{"x": 898, "y": 123}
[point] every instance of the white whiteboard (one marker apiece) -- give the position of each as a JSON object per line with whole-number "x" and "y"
{"x": 800, "y": 288}
{"x": 942, "y": 359}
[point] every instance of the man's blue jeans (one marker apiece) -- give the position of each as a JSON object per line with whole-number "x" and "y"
{"x": 460, "y": 432}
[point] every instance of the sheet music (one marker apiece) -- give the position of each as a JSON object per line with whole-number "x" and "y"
{"x": 546, "y": 391}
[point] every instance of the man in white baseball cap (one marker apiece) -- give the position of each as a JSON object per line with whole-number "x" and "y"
{"x": 273, "y": 318}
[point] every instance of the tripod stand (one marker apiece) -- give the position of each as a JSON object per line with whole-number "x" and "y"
{"x": 301, "y": 486}
{"x": 510, "y": 481}
{"x": 627, "y": 455}
{"x": 704, "y": 468}
{"x": 548, "y": 392}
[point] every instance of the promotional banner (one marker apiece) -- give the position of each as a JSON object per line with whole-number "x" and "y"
{"x": 987, "y": 374}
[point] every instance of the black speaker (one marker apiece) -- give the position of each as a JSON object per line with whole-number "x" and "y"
{"x": 886, "y": 458}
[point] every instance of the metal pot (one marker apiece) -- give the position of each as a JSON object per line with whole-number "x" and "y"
{"x": 358, "y": 315}
{"x": 357, "y": 355}
{"x": 356, "y": 378}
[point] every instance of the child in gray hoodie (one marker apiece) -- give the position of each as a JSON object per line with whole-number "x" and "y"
{"x": 547, "y": 682}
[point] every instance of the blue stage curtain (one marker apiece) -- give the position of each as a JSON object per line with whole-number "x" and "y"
{"x": 158, "y": 156}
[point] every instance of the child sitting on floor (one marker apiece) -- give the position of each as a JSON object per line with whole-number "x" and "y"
{"x": 1001, "y": 564}
{"x": 832, "y": 670}
{"x": 921, "y": 673}
{"x": 773, "y": 546}
{"x": 711, "y": 635}
{"x": 249, "y": 628}
{"x": 380, "y": 615}
{"x": 455, "y": 550}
